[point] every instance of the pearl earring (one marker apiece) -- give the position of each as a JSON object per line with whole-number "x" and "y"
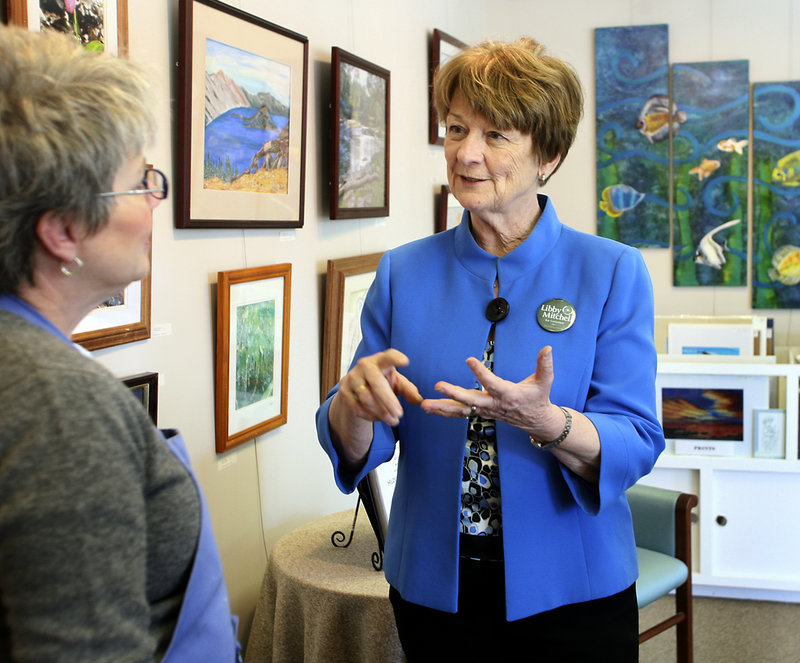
{"x": 542, "y": 180}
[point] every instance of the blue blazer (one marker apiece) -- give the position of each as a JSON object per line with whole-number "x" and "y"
{"x": 565, "y": 540}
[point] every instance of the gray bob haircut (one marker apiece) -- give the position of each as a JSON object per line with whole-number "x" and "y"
{"x": 69, "y": 119}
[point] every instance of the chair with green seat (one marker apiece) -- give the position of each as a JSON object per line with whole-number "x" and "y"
{"x": 662, "y": 527}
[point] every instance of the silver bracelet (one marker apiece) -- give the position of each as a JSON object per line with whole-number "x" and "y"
{"x": 567, "y": 426}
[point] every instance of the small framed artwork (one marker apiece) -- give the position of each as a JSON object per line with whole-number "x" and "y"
{"x": 145, "y": 387}
{"x": 252, "y": 366}
{"x": 360, "y": 138}
{"x": 768, "y": 438}
{"x": 443, "y": 47}
{"x": 122, "y": 318}
{"x": 346, "y": 285}
{"x": 710, "y": 415}
{"x": 97, "y": 25}
{"x": 242, "y": 103}
{"x": 449, "y": 211}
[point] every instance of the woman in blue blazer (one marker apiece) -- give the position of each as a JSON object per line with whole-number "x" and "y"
{"x": 512, "y": 359}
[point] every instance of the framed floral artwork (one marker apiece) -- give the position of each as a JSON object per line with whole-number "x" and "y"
{"x": 97, "y": 24}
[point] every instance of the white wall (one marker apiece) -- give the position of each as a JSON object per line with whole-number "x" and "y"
{"x": 265, "y": 488}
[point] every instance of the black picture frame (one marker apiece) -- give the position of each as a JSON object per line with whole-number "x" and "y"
{"x": 360, "y": 132}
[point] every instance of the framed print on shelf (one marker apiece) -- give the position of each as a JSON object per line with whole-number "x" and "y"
{"x": 710, "y": 415}
{"x": 252, "y": 365}
{"x": 769, "y": 440}
{"x": 242, "y": 104}
{"x": 360, "y": 138}
{"x": 443, "y": 47}
{"x": 122, "y": 318}
{"x": 100, "y": 25}
{"x": 145, "y": 387}
{"x": 346, "y": 285}
{"x": 449, "y": 210}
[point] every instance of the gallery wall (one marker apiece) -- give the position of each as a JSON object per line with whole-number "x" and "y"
{"x": 263, "y": 489}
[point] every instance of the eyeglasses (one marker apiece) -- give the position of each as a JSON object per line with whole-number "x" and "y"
{"x": 154, "y": 182}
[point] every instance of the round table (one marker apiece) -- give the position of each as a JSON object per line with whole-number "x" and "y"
{"x": 320, "y": 603}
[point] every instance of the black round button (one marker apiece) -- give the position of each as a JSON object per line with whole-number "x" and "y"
{"x": 497, "y": 309}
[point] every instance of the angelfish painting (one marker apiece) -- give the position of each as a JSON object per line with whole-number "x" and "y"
{"x": 246, "y": 136}
{"x": 634, "y": 120}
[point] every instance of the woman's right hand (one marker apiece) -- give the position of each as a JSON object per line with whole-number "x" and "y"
{"x": 369, "y": 393}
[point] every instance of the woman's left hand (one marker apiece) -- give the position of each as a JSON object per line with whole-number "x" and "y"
{"x": 524, "y": 404}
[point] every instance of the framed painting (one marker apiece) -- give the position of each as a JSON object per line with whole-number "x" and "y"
{"x": 252, "y": 364}
{"x": 145, "y": 387}
{"x": 242, "y": 103}
{"x": 449, "y": 210}
{"x": 443, "y": 47}
{"x": 97, "y": 24}
{"x": 122, "y": 318}
{"x": 769, "y": 434}
{"x": 710, "y": 415}
{"x": 346, "y": 285}
{"x": 635, "y": 118}
{"x": 360, "y": 138}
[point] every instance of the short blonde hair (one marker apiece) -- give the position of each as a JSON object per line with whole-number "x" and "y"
{"x": 70, "y": 118}
{"x": 516, "y": 85}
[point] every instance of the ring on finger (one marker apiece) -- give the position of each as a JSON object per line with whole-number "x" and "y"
{"x": 472, "y": 410}
{"x": 358, "y": 389}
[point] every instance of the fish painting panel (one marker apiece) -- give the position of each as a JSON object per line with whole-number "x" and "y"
{"x": 633, "y": 123}
{"x": 710, "y": 155}
{"x": 776, "y": 195}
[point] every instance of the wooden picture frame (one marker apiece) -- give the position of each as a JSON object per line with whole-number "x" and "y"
{"x": 346, "y": 285}
{"x": 360, "y": 138}
{"x": 449, "y": 210}
{"x": 252, "y": 363}
{"x": 20, "y": 12}
{"x": 242, "y": 105}
{"x": 443, "y": 47}
{"x": 124, "y": 318}
{"x": 145, "y": 387}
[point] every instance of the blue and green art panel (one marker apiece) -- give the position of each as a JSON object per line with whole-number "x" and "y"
{"x": 776, "y": 195}
{"x": 633, "y": 126}
{"x": 710, "y": 173}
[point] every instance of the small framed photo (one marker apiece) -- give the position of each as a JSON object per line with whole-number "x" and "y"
{"x": 769, "y": 440}
{"x": 98, "y": 25}
{"x": 443, "y": 47}
{"x": 252, "y": 366}
{"x": 122, "y": 318}
{"x": 242, "y": 99}
{"x": 360, "y": 138}
{"x": 145, "y": 387}
{"x": 449, "y": 210}
{"x": 346, "y": 285}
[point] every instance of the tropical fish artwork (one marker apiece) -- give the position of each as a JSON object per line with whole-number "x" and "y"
{"x": 617, "y": 199}
{"x": 775, "y": 150}
{"x": 732, "y": 145}
{"x": 632, "y": 66}
{"x": 711, "y": 253}
{"x": 657, "y": 115}
{"x": 705, "y": 169}
{"x": 787, "y": 170}
{"x": 786, "y": 265}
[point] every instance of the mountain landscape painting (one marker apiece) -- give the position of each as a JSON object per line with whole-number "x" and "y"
{"x": 246, "y": 115}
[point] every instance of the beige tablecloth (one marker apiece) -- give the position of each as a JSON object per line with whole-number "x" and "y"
{"x": 322, "y": 604}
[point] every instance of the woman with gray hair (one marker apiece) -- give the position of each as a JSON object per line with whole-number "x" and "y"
{"x": 106, "y": 552}
{"x": 512, "y": 360}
